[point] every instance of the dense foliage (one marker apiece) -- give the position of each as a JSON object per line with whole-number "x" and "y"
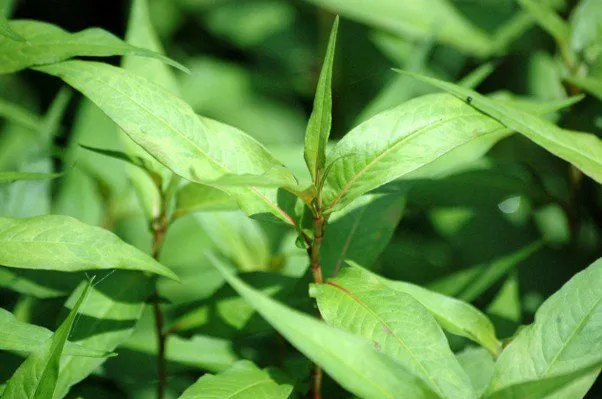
{"x": 319, "y": 198}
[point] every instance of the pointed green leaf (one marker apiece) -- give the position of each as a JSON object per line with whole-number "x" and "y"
{"x": 25, "y": 337}
{"x": 320, "y": 121}
{"x": 242, "y": 380}
{"x": 46, "y": 43}
{"x": 410, "y": 137}
{"x": 10, "y": 176}
{"x": 196, "y": 148}
{"x": 455, "y": 316}
{"x": 348, "y": 359}
{"x": 61, "y": 243}
{"x": 396, "y": 324}
{"x": 583, "y": 150}
{"x": 108, "y": 318}
{"x": 590, "y": 85}
{"x": 565, "y": 336}
{"x": 38, "y": 374}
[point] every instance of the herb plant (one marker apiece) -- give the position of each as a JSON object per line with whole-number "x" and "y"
{"x": 447, "y": 246}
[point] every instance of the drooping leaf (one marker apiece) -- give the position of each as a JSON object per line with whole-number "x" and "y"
{"x": 583, "y": 150}
{"x": 396, "y": 324}
{"x": 193, "y": 147}
{"x": 24, "y": 337}
{"x": 195, "y": 197}
{"x": 38, "y": 374}
{"x": 243, "y": 379}
{"x": 565, "y": 336}
{"x": 10, "y": 176}
{"x": 46, "y": 43}
{"x": 410, "y": 137}
{"x": 349, "y": 359}
{"x": 320, "y": 121}
{"x": 409, "y": 17}
{"x": 61, "y": 243}
{"x": 454, "y": 315}
{"x": 361, "y": 231}
{"x": 107, "y": 319}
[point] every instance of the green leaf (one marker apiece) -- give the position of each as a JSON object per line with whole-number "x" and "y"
{"x": 361, "y": 231}
{"x": 242, "y": 380}
{"x": 457, "y": 317}
{"x": 38, "y": 374}
{"x": 6, "y": 30}
{"x": 24, "y": 337}
{"x": 396, "y": 324}
{"x": 10, "y": 176}
{"x": 348, "y": 359}
{"x": 196, "y": 148}
{"x": 61, "y": 243}
{"x": 410, "y": 137}
{"x": 583, "y": 150}
{"x": 46, "y": 43}
{"x": 320, "y": 121}
{"x": 107, "y": 319}
{"x": 590, "y": 85}
{"x": 565, "y": 336}
{"x": 558, "y": 386}
{"x": 418, "y": 19}
{"x": 478, "y": 364}
{"x": 547, "y": 18}
{"x": 195, "y": 197}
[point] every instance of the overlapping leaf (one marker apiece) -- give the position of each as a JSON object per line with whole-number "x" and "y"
{"x": 61, "y": 243}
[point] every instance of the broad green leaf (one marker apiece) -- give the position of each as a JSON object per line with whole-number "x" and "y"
{"x": 361, "y": 231}
{"x": 193, "y": 147}
{"x": 46, "y": 43}
{"x": 242, "y": 380}
{"x": 478, "y": 364}
{"x": 25, "y": 337}
{"x": 348, "y": 359}
{"x": 396, "y": 324}
{"x": 569, "y": 384}
{"x": 590, "y": 85}
{"x": 583, "y": 150}
{"x": 38, "y": 374}
{"x": 548, "y": 19}
{"x": 195, "y": 197}
{"x": 320, "y": 121}
{"x": 107, "y": 319}
{"x": 61, "y": 243}
{"x": 453, "y": 315}
{"x": 416, "y": 18}
{"x": 6, "y": 30}
{"x": 10, "y": 176}
{"x": 410, "y": 137}
{"x": 19, "y": 114}
{"x": 565, "y": 336}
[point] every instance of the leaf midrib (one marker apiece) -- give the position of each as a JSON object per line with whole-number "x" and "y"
{"x": 384, "y": 324}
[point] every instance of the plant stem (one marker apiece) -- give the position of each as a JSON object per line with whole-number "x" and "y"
{"x": 313, "y": 251}
{"x": 159, "y": 228}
